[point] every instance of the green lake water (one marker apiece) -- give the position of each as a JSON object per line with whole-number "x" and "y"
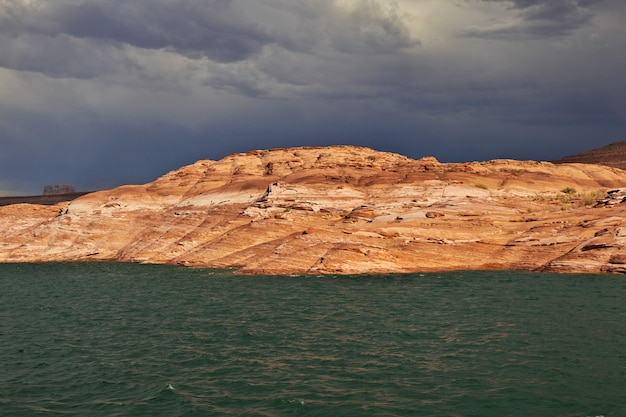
{"x": 106, "y": 339}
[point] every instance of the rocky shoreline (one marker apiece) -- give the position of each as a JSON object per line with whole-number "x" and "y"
{"x": 339, "y": 210}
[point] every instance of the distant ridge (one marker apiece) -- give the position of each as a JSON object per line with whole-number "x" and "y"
{"x": 613, "y": 155}
{"x": 46, "y": 200}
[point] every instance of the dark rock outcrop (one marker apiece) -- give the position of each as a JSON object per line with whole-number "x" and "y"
{"x": 613, "y": 155}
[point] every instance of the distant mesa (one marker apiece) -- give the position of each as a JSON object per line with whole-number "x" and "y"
{"x": 613, "y": 155}
{"x": 56, "y": 189}
{"x": 52, "y": 194}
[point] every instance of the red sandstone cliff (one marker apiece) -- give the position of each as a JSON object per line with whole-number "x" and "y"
{"x": 339, "y": 209}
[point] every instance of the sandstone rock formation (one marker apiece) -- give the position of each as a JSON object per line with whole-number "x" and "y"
{"x": 339, "y": 209}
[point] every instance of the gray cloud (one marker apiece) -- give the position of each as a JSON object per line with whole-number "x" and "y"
{"x": 210, "y": 28}
{"x": 220, "y": 30}
{"x": 102, "y": 92}
{"x": 538, "y": 19}
{"x": 61, "y": 56}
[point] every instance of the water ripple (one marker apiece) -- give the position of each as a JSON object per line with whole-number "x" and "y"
{"x": 136, "y": 340}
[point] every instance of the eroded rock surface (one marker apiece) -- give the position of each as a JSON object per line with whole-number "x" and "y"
{"x": 339, "y": 209}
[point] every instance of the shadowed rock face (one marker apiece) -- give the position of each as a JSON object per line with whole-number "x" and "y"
{"x": 613, "y": 155}
{"x": 339, "y": 209}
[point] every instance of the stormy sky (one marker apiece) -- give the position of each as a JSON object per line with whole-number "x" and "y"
{"x": 99, "y": 93}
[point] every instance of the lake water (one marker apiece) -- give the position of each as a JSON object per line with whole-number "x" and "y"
{"x": 106, "y": 339}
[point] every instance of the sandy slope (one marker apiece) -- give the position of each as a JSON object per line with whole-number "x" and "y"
{"x": 339, "y": 209}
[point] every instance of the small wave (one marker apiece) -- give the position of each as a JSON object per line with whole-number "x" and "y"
{"x": 293, "y": 403}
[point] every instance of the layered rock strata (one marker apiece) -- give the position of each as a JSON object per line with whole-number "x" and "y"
{"x": 339, "y": 210}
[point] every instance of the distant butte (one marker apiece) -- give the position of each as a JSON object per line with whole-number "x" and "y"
{"x": 340, "y": 210}
{"x": 613, "y": 155}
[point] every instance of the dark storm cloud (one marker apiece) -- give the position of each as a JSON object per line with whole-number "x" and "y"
{"x": 60, "y": 56}
{"x": 103, "y": 92}
{"x": 220, "y": 30}
{"x": 209, "y": 28}
{"x": 539, "y": 19}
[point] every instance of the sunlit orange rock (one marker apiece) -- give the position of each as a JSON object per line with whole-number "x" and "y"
{"x": 339, "y": 210}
